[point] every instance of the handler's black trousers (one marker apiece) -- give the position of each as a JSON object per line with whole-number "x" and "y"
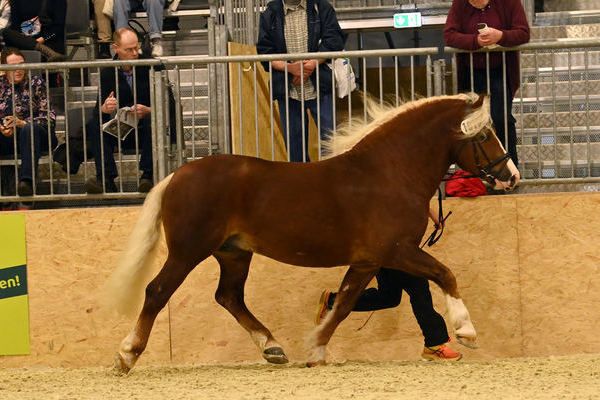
{"x": 390, "y": 284}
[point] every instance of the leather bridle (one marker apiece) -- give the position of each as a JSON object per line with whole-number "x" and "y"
{"x": 484, "y": 171}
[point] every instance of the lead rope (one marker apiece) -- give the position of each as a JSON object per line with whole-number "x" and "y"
{"x": 434, "y": 237}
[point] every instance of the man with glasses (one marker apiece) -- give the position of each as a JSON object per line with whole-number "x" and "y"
{"x": 114, "y": 97}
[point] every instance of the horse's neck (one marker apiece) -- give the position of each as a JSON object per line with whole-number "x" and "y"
{"x": 409, "y": 154}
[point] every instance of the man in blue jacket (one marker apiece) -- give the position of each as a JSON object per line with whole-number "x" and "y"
{"x": 300, "y": 26}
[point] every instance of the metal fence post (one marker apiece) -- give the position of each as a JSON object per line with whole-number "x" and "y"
{"x": 439, "y": 85}
{"x": 160, "y": 118}
{"x": 223, "y": 95}
{"x": 251, "y": 22}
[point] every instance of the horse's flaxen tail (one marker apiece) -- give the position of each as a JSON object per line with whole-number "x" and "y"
{"x": 124, "y": 289}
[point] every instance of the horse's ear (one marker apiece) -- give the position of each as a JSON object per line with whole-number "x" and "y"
{"x": 479, "y": 101}
{"x": 478, "y": 118}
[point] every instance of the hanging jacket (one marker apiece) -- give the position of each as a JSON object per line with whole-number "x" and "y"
{"x": 464, "y": 187}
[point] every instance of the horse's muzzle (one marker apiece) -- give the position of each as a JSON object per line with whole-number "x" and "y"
{"x": 512, "y": 183}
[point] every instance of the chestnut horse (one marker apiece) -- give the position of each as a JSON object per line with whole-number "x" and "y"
{"x": 365, "y": 206}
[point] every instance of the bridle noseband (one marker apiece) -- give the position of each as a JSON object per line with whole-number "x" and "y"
{"x": 485, "y": 172}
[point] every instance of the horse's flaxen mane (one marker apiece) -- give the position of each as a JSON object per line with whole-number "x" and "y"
{"x": 348, "y": 135}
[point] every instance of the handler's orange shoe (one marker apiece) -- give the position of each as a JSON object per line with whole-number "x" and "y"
{"x": 440, "y": 353}
{"x": 322, "y": 309}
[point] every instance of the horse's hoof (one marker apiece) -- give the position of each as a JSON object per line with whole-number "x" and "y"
{"x": 120, "y": 368}
{"x": 275, "y": 355}
{"x": 311, "y": 364}
{"x": 467, "y": 342}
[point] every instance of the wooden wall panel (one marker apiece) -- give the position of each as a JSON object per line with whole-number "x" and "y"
{"x": 560, "y": 273}
{"x": 70, "y": 253}
{"x": 527, "y": 268}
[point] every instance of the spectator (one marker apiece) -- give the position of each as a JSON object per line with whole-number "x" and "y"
{"x": 154, "y": 8}
{"x": 506, "y": 26}
{"x": 390, "y": 283}
{"x": 4, "y": 16}
{"x": 126, "y": 47}
{"x": 284, "y": 29}
{"x": 38, "y": 25}
{"x": 103, "y": 29}
{"x": 30, "y": 128}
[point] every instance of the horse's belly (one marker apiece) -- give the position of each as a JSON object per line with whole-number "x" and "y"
{"x": 308, "y": 253}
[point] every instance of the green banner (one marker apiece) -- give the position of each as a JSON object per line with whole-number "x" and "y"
{"x": 14, "y": 300}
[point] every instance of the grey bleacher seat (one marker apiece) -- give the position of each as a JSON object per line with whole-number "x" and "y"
{"x": 193, "y": 5}
{"x": 75, "y": 119}
{"x": 31, "y": 57}
{"x": 78, "y": 28}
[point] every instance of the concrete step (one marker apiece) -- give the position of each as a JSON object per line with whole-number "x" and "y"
{"x": 188, "y": 75}
{"x": 558, "y": 103}
{"x": 561, "y": 30}
{"x": 571, "y": 5}
{"x": 561, "y": 135}
{"x": 548, "y": 89}
{"x": 186, "y": 78}
{"x": 561, "y": 154}
{"x": 561, "y": 59}
{"x": 550, "y": 169}
{"x": 563, "y": 119}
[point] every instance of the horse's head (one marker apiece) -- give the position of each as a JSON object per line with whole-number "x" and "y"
{"x": 479, "y": 151}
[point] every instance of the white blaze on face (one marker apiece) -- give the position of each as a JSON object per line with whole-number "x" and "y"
{"x": 504, "y": 185}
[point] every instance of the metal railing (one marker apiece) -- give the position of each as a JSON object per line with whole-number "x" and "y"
{"x": 557, "y": 108}
{"x": 225, "y": 104}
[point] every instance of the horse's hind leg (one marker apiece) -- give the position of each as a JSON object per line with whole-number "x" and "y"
{"x": 355, "y": 281}
{"x": 230, "y": 294}
{"x": 158, "y": 293}
{"x": 421, "y": 264}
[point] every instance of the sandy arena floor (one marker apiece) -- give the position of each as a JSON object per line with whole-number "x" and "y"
{"x": 531, "y": 378}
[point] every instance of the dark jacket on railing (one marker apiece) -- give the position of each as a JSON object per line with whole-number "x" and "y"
{"x": 459, "y": 32}
{"x": 324, "y": 34}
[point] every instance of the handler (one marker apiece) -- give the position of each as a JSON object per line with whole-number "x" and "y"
{"x": 390, "y": 283}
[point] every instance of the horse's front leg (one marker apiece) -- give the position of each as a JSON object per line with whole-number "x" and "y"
{"x": 419, "y": 263}
{"x": 355, "y": 281}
